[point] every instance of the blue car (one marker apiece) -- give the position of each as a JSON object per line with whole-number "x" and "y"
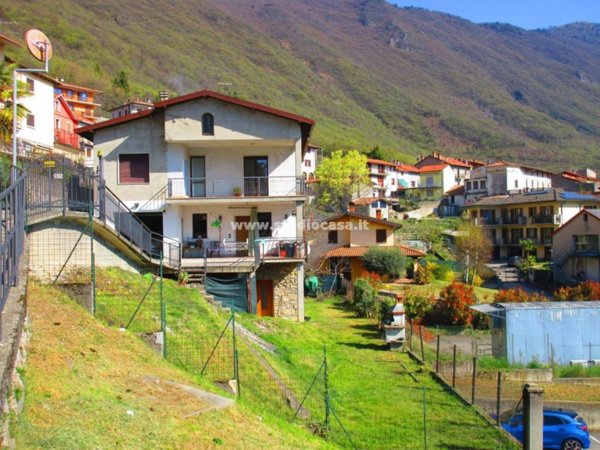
{"x": 564, "y": 429}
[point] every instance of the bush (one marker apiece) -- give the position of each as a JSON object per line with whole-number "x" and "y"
{"x": 364, "y": 298}
{"x": 442, "y": 272}
{"x": 452, "y": 308}
{"x": 423, "y": 274}
{"x": 585, "y": 291}
{"x": 417, "y": 305}
{"x": 518, "y": 295}
{"x": 385, "y": 261}
{"x": 383, "y": 306}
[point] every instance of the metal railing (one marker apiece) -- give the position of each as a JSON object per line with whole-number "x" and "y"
{"x": 283, "y": 186}
{"x": 277, "y": 248}
{"x": 12, "y": 233}
{"x": 116, "y": 215}
{"x": 65, "y": 137}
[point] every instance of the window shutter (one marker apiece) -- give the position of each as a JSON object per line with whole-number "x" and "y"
{"x": 134, "y": 168}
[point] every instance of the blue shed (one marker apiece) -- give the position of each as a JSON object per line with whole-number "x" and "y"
{"x": 546, "y": 332}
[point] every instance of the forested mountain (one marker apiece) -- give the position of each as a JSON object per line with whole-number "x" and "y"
{"x": 406, "y": 80}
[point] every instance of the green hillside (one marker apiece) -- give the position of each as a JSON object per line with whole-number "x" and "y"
{"x": 371, "y": 74}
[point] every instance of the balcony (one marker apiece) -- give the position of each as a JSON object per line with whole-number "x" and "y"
{"x": 190, "y": 188}
{"x": 65, "y": 137}
{"x": 554, "y": 219}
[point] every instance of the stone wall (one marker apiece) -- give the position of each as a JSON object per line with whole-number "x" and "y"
{"x": 286, "y": 295}
{"x": 50, "y": 244}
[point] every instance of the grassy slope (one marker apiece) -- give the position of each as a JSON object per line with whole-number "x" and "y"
{"x": 446, "y": 84}
{"x": 82, "y": 377}
{"x": 374, "y": 396}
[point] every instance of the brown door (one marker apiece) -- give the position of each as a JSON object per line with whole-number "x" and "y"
{"x": 264, "y": 298}
{"x": 241, "y": 233}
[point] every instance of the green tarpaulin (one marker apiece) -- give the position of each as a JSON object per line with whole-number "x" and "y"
{"x": 230, "y": 291}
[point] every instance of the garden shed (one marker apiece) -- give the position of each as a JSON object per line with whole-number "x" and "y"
{"x": 545, "y": 332}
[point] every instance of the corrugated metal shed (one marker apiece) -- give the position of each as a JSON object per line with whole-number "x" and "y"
{"x": 546, "y": 332}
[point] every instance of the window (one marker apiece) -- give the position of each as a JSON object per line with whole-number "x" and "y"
{"x": 429, "y": 182}
{"x": 482, "y": 184}
{"x": 57, "y": 106}
{"x": 70, "y": 93}
{"x": 412, "y": 184}
{"x": 307, "y": 163}
{"x": 380, "y": 235}
{"x": 199, "y": 226}
{"x": 468, "y": 185}
{"x": 532, "y": 211}
{"x": 475, "y": 185}
{"x": 531, "y": 233}
{"x": 134, "y": 168}
{"x": 429, "y": 193}
{"x": 57, "y": 124}
{"x": 393, "y": 181}
{"x": 30, "y": 120}
{"x": 553, "y": 420}
{"x": 83, "y": 96}
{"x": 332, "y": 238}
{"x": 516, "y": 183}
{"x": 586, "y": 242}
{"x": 264, "y": 224}
{"x": 30, "y": 85}
{"x": 208, "y": 124}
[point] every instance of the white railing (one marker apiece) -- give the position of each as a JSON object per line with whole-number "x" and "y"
{"x": 236, "y": 187}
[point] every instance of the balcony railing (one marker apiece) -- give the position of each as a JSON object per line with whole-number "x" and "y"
{"x": 264, "y": 249}
{"x": 65, "y": 137}
{"x": 236, "y": 187}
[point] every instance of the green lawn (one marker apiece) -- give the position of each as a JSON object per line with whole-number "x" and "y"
{"x": 375, "y": 398}
{"x": 375, "y": 401}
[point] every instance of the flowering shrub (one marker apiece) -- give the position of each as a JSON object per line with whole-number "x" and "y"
{"x": 585, "y": 291}
{"x": 518, "y": 295}
{"x": 418, "y": 305}
{"x": 452, "y": 308}
{"x": 423, "y": 274}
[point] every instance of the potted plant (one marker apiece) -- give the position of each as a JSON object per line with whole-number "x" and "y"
{"x": 183, "y": 278}
{"x": 237, "y": 191}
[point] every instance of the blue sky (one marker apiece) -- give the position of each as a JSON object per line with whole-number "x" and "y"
{"x": 527, "y": 14}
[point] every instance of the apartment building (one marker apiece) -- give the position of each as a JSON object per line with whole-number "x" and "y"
{"x": 533, "y": 215}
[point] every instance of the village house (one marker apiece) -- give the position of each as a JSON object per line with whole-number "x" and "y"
{"x": 584, "y": 180}
{"x": 502, "y": 178}
{"x": 576, "y": 248}
{"x": 533, "y": 215}
{"x": 377, "y": 207}
{"x": 223, "y": 177}
{"x": 312, "y": 158}
{"x": 337, "y": 247}
{"x": 460, "y": 168}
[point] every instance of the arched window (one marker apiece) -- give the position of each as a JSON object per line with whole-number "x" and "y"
{"x": 208, "y": 124}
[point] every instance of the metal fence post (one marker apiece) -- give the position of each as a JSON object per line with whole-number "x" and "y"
{"x": 437, "y": 355}
{"x": 424, "y": 419}
{"x": 326, "y": 384}
{"x": 235, "y": 366}
{"x": 92, "y": 257}
{"x": 498, "y": 398}
{"x": 454, "y": 366}
{"x": 163, "y": 310}
{"x": 474, "y": 380}
{"x": 421, "y": 339}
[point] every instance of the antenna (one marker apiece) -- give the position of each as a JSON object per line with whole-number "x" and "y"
{"x": 39, "y": 45}
{"x": 41, "y": 49}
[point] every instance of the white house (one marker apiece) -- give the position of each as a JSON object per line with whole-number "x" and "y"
{"x": 502, "y": 178}
{"x": 222, "y": 176}
{"x": 35, "y": 131}
{"x": 311, "y": 159}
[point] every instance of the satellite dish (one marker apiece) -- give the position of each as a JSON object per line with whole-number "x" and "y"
{"x": 39, "y": 45}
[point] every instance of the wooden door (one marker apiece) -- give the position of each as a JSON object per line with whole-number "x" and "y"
{"x": 264, "y": 298}
{"x": 378, "y": 214}
{"x": 241, "y": 233}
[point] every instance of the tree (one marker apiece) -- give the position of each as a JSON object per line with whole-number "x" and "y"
{"x": 453, "y": 305}
{"x": 6, "y": 100}
{"x": 339, "y": 176}
{"x": 472, "y": 247}
{"x": 121, "y": 82}
{"x": 385, "y": 261}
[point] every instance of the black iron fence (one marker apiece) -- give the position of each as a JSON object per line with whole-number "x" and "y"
{"x": 12, "y": 233}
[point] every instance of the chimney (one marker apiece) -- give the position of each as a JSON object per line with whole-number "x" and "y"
{"x": 163, "y": 95}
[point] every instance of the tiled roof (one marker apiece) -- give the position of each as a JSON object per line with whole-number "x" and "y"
{"x": 369, "y": 200}
{"x": 432, "y": 168}
{"x": 363, "y": 217}
{"x": 577, "y": 177}
{"x": 380, "y": 161}
{"x": 358, "y": 251}
{"x": 503, "y": 163}
{"x": 541, "y": 195}
{"x": 455, "y": 190}
{"x": 305, "y": 123}
{"x": 447, "y": 159}
{"x": 407, "y": 168}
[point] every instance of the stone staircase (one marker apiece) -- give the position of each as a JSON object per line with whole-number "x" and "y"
{"x": 211, "y": 299}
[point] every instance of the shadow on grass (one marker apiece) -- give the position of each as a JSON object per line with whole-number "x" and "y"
{"x": 360, "y": 346}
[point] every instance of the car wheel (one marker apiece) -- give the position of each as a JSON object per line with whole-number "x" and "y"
{"x": 572, "y": 444}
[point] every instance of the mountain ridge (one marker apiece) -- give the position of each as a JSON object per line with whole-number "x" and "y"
{"x": 406, "y": 80}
